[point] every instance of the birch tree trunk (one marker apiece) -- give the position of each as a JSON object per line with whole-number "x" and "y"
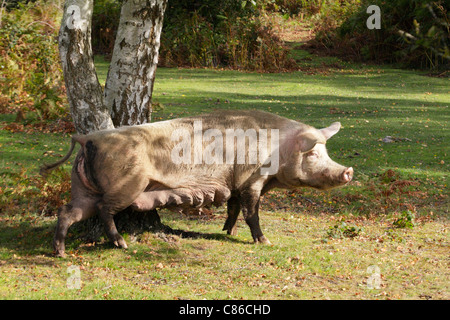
{"x": 129, "y": 86}
{"x": 84, "y": 92}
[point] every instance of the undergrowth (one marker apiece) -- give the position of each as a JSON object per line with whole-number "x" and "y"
{"x": 413, "y": 34}
{"x": 28, "y": 193}
{"x": 31, "y": 80}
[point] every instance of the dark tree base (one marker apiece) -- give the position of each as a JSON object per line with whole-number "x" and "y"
{"x": 128, "y": 221}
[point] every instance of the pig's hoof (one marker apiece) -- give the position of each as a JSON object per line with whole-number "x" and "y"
{"x": 60, "y": 254}
{"x": 232, "y": 231}
{"x": 262, "y": 240}
{"x": 119, "y": 242}
{"x": 59, "y": 249}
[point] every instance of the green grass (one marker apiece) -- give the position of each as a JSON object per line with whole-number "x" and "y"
{"x": 304, "y": 262}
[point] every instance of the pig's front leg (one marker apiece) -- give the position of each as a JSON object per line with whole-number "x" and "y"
{"x": 250, "y": 208}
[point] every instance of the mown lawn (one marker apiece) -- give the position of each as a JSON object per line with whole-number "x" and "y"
{"x": 311, "y": 257}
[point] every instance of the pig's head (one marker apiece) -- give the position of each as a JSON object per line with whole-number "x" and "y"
{"x": 305, "y": 161}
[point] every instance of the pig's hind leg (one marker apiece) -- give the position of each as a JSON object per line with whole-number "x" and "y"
{"x": 114, "y": 202}
{"x": 77, "y": 210}
{"x": 233, "y": 209}
{"x": 106, "y": 213}
{"x": 250, "y": 210}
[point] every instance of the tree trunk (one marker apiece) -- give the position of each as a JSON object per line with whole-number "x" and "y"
{"x": 129, "y": 86}
{"x": 83, "y": 89}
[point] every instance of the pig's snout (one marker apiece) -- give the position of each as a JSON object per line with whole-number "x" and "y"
{"x": 347, "y": 175}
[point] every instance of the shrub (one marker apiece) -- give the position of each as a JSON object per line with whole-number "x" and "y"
{"x": 330, "y": 15}
{"x": 105, "y": 22}
{"x": 229, "y": 33}
{"x": 294, "y": 7}
{"x": 232, "y": 34}
{"x": 414, "y": 33}
{"x": 343, "y": 230}
{"x": 188, "y": 41}
{"x": 430, "y": 40}
{"x": 23, "y": 192}
{"x": 251, "y": 45}
{"x": 406, "y": 220}
{"x": 30, "y": 74}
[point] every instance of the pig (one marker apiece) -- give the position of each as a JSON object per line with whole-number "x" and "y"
{"x": 193, "y": 163}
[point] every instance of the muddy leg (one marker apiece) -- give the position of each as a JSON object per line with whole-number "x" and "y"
{"x": 250, "y": 209}
{"x": 233, "y": 209}
{"x": 107, "y": 214}
{"x": 68, "y": 215}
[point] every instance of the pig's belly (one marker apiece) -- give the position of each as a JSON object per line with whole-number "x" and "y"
{"x": 180, "y": 198}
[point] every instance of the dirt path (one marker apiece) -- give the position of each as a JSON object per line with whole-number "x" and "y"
{"x": 293, "y": 31}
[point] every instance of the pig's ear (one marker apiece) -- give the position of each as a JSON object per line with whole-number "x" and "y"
{"x": 331, "y": 130}
{"x": 306, "y": 141}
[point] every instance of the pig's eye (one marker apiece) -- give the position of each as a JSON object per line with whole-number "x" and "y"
{"x": 312, "y": 154}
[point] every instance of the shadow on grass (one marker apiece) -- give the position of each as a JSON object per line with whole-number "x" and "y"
{"x": 28, "y": 241}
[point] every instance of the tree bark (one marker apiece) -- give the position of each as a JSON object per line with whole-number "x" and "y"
{"x": 131, "y": 75}
{"x": 84, "y": 92}
{"x": 129, "y": 85}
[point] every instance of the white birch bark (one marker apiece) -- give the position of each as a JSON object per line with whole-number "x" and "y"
{"x": 83, "y": 89}
{"x": 131, "y": 74}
